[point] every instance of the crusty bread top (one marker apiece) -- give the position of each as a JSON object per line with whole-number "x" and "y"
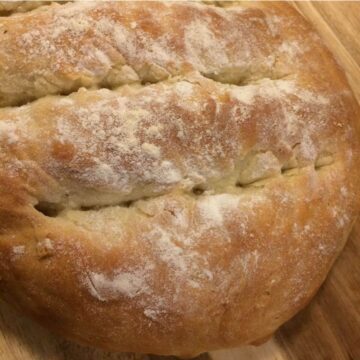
{"x": 13, "y": 7}
{"x": 97, "y": 45}
{"x": 205, "y": 159}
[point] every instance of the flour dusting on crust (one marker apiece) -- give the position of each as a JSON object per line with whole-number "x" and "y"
{"x": 128, "y": 284}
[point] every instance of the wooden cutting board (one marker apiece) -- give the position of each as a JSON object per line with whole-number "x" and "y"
{"x": 328, "y": 329}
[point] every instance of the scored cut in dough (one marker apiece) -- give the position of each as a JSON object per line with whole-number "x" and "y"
{"x": 174, "y": 177}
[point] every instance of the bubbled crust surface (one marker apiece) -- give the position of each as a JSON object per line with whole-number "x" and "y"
{"x": 181, "y": 177}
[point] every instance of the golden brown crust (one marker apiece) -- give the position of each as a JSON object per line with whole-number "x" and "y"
{"x": 197, "y": 212}
{"x": 12, "y": 7}
{"x": 121, "y": 43}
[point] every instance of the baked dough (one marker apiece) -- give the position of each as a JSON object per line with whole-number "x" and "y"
{"x": 174, "y": 177}
{"x": 12, "y": 7}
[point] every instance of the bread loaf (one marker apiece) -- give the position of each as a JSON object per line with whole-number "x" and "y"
{"x": 174, "y": 177}
{"x": 13, "y": 7}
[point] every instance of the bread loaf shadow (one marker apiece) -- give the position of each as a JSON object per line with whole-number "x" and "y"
{"x": 22, "y": 339}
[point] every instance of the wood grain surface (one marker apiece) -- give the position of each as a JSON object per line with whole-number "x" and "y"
{"x": 328, "y": 329}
